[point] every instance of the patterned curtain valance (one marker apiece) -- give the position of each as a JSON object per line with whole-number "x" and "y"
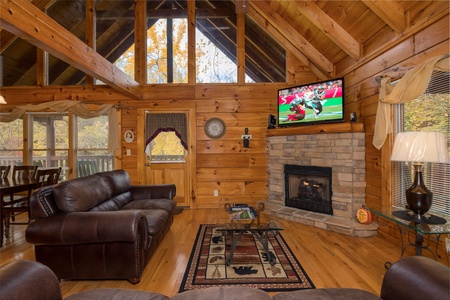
{"x": 155, "y": 123}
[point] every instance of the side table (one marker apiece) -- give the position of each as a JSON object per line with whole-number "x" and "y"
{"x": 422, "y": 229}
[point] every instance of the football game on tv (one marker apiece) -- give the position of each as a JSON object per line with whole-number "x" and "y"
{"x": 315, "y": 103}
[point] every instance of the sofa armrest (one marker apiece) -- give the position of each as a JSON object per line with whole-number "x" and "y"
{"x": 416, "y": 277}
{"x": 88, "y": 227}
{"x": 153, "y": 191}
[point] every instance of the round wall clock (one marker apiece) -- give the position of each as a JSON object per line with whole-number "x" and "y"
{"x": 215, "y": 128}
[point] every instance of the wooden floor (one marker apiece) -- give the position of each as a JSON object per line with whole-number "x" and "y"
{"x": 330, "y": 259}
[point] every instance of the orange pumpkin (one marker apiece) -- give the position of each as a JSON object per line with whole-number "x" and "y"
{"x": 363, "y": 216}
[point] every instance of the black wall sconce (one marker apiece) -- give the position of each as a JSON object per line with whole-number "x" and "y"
{"x": 246, "y": 138}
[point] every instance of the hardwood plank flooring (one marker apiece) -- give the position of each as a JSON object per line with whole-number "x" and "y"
{"x": 330, "y": 259}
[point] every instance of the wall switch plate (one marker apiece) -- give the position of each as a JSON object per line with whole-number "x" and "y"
{"x": 128, "y": 152}
{"x": 216, "y": 193}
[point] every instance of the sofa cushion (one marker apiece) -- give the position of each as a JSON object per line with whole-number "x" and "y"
{"x": 118, "y": 181}
{"x": 117, "y": 294}
{"x": 85, "y": 193}
{"x": 115, "y": 203}
{"x": 223, "y": 293}
{"x": 327, "y": 294}
{"x": 164, "y": 204}
{"x": 156, "y": 218}
{"x": 81, "y": 194}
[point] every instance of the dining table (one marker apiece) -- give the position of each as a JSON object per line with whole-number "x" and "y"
{"x": 11, "y": 186}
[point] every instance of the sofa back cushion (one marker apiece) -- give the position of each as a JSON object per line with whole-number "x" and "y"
{"x": 86, "y": 193}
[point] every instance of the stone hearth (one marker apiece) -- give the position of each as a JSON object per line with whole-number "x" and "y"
{"x": 345, "y": 154}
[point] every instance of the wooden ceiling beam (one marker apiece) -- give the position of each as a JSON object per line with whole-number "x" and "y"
{"x": 330, "y": 28}
{"x": 7, "y": 38}
{"x": 292, "y": 35}
{"x": 261, "y": 21}
{"x": 162, "y": 13}
{"x": 26, "y": 21}
{"x": 390, "y": 12}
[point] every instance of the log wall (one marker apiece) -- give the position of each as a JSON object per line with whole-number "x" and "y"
{"x": 240, "y": 174}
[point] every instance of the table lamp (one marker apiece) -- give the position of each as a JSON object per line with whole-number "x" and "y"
{"x": 418, "y": 148}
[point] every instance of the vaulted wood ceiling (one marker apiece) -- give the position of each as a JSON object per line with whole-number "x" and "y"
{"x": 328, "y": 37}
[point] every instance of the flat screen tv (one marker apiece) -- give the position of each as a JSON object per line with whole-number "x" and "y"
{"x": 310, "y": 104}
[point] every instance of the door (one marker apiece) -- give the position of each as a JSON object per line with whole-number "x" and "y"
{"x": 166, "y": 159}
{"x": 160, "y": 173}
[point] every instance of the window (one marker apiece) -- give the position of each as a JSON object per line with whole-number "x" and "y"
{"x": 215, "y": 45}
{"x": 167, "y": 148}
{"x": 167, "y": 43}
{"x": 11, "y": 141}
{"x": 166, "y": 137}
{"x": 167, "y": 51}
{"x": 92, "y": 146}
{"x": 50, "y": 140}
{"x": 429, "y": 112}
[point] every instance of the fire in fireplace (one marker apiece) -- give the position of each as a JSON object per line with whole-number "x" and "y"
{"x": 308, "y": 188}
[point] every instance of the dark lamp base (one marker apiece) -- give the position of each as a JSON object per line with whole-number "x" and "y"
{"x": 418, "y": 197}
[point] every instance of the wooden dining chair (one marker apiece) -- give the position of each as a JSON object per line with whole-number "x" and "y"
{"x": 18, "y": 203}
{"x": 4, "y": 171}
{"x": 48, "y": 176}
{"x": 24, "y": 172}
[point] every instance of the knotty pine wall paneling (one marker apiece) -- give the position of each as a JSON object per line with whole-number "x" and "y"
{"x": 362, "y": 88}
{"x": 238, "y": 174}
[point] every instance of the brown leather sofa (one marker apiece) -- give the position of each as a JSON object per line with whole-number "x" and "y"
{"x": 99, "y": 226}
{"x": 411, "y": 278}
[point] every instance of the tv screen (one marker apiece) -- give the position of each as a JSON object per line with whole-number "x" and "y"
{"x": 309, "y": 104}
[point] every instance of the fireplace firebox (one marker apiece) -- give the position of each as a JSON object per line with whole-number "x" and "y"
{"x": 308, "y": 188}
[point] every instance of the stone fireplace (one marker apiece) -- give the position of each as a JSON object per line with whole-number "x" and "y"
{"x": 308, "y": 188}
{"x": 344, "y": 155}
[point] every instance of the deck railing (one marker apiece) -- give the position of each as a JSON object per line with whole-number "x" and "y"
{"x": 101, "y": 162}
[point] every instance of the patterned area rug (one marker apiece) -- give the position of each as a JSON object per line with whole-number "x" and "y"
{"x": 250, "y": 268}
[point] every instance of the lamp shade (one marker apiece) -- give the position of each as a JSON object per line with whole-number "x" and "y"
{"x": 2, "y": 100}
{"x": 423, "y": 146}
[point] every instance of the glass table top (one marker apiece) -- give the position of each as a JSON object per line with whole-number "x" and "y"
{"x": 240, "y": 226}
{"x": 426, "y": 225}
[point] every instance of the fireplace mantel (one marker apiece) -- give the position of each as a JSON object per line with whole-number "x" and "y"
{"x": 314, "y": 129}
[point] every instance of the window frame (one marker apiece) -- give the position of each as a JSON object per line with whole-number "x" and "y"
{"x": 70, "y": 167}
{"x": 401, "y": 172}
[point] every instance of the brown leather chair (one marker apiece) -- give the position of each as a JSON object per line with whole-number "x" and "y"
{"x": 411, "y": 278}
{"x": 26, "y": 279}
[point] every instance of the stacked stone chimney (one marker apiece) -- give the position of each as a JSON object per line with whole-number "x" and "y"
{"x": 343, "y": 152}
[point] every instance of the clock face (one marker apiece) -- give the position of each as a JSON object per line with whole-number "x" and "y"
{"x": 215, "y": 128}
